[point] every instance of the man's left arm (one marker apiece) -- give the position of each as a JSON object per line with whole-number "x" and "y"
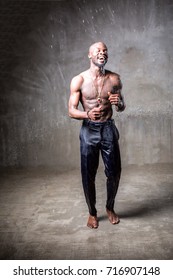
{"x": 116, "y": 97}
{"x": 120, "y": 106}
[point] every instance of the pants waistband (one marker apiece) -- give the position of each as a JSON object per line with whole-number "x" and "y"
{"x": 97, "y": 124}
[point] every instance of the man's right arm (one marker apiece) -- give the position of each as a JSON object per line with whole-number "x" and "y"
{"x": 75, "y": 91}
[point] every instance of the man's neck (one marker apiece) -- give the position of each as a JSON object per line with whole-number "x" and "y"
{"x": 97, "y": 71}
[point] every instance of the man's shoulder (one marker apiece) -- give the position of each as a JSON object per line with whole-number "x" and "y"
{"x": 77, "y": 79}
{"x": 115, "y": 78}
{"x": 84, "y": 74}
{"x": 112, "y": 74}
{"x": 81, "y": 76}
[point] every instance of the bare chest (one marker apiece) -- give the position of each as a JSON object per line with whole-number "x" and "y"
{"x": 96, "y": 89}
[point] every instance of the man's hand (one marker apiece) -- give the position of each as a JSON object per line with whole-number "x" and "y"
{"x": 95, "y": 113}
{"x": 114, "y": 98}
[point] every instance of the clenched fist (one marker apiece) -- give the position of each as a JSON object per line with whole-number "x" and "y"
{"x": 114, "y": 98}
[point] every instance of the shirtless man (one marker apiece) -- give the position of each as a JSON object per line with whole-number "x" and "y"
{"x": 98, "y": 90}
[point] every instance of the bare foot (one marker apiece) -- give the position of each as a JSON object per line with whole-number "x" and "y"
{"x": 92, "y": 222}
{"x": 113, "y": 217}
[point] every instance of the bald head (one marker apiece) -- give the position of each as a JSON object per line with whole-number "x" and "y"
{"x": 96, "y": 45}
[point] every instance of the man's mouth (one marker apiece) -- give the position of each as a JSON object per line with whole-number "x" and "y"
{"x": 102, "y": 59}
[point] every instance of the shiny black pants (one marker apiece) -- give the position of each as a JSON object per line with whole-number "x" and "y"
{"x": 96, "y": 138}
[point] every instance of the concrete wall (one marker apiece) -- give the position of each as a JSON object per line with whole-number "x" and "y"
{"x": 45, "y": 43}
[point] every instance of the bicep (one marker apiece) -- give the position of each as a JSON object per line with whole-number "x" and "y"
{"x": 118, "y": 83}
{"x": 75, "y": 92}
{"x": 74, "y": 99}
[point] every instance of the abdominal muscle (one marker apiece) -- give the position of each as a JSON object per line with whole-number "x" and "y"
{"x": 105, "y": 108}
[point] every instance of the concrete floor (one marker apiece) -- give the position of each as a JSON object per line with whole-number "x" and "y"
{"x": 43, "y": 215}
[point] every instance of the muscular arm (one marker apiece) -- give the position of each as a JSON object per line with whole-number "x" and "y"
{"x": 116, "y": 97}
{"x": 75, "y": 91}
{"x": 121, "y": 104}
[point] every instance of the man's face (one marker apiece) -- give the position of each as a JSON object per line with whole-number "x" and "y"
{"x": 99, "y": 54}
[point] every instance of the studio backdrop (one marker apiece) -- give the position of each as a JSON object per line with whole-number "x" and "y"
{"x": 44, "y": 44}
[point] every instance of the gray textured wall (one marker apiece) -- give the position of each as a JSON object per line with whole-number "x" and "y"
{"x": 45, "y": 43}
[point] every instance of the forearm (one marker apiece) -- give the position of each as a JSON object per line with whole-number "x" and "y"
{"x": 77, "y": 114}
{"x": 120, "y": 106}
